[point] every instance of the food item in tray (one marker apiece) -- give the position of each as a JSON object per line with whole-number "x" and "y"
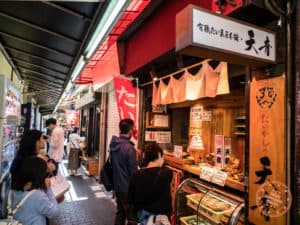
{"x": 189, "y": 220}
{"x": 192, "y": 220}
{"x": 215, "y": 205}
{"x": 234, "y": 169}
{"x": 210, "y": 159}
{"x": 194, "y": 199}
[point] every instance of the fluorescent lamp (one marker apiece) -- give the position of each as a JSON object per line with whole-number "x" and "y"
{"x": 109, "y": 19}
{"x": 79, "y": 66}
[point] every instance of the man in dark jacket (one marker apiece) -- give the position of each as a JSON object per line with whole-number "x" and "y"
{"x": 123, "y": 156}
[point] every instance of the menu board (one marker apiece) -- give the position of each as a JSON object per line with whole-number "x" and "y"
{"x": 161, "y": 120}
{"x": 163, "y": 137}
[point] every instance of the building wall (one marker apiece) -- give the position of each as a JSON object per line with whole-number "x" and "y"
{"x": 157, "y": 35}
{"x": 112, "y": 118}
{"x": 6, "y": 69}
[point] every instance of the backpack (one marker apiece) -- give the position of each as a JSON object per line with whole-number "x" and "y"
{"x": 106, "y": 175}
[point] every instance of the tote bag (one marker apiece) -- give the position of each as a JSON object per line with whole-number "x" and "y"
{"x": 106, "y": 175}
{"x": 59, "y": 185}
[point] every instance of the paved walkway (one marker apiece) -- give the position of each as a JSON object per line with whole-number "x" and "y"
{"x": 86, "y": 203}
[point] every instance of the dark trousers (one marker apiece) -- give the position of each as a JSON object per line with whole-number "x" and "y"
{"x": 124, "y": 211}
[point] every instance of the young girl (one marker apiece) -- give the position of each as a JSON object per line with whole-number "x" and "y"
{"x": 41, "y": 203}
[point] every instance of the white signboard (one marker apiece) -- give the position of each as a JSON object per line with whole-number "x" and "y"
{"x": 196, "y": 114}
{"x": 218, "y": 32}
{"x": 219, "y": 177}
{"x": 159, "y": 108}
{"x": 162, "y": 137}
{"x": 207, "y": 173}
{"x": 199, "y": 115}
{"x": 177, "y": 151}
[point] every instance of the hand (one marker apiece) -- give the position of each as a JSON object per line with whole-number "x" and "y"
{"x": 47, "y": 182}
{"x": 51, "y": 166}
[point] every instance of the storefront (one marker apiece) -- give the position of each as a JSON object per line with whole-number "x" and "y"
{"x": 89, "y": 117}
{"x": 218, "y": 117}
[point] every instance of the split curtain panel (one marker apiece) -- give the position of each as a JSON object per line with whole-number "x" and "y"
{"x": 207, "y": 82}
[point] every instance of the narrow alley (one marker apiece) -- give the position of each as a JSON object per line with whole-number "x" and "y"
{"x": 86, "y": 203}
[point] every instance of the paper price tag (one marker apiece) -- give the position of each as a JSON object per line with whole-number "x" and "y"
{"x": 219, "y": 178}
{"x": 177, "y": 151}
{"x": 207, "y": 173}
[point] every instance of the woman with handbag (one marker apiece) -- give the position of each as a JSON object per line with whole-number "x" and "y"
{"x": 75, "y": 151}
{"x": 149, "y": 189}
{"x": 32, "y": 188}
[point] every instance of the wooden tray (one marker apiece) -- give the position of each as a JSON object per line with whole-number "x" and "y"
{"x": 214, "y": 214}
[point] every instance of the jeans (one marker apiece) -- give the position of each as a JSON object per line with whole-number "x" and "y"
{"x": 146, "y": 218}
{"x": 124, "y": 211}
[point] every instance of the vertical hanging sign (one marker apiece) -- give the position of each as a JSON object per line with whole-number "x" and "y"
{"x": 126, "y": 96}
{"x": 72, "y": 118}
{"x": 269, "y": 197}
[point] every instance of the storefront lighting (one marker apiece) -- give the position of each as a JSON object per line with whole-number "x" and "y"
{"x": 78, "y": 68}
{"x": 109, "y": 19}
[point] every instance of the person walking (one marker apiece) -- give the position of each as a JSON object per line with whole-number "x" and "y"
{"x": 57, "y": 139}
{"x": 149, "y": 191}
{"x": 124, "y": 163}
{"x": 74, "y": 154}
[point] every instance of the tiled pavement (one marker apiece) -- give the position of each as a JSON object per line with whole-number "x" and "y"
{"x": 86, "y": 203}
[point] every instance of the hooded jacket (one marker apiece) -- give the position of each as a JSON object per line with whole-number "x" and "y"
{"x": 124, "y": 162}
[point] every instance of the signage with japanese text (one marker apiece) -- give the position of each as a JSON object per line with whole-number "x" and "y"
{"x": 269, "y": 197}
{"x": 177, "y": 151}
{"x": 223, "y": 38}
{"x": 72, "y": 117}
{"x": 219, "y": 177}
{"x": 158, "y": 136}
{"x": 126, "y": 95}
{"x": 207, "y": 173}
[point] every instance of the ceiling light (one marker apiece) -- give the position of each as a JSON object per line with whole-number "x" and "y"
{"x": 109, "y": 19}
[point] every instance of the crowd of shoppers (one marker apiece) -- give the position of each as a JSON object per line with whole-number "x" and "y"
{"x": 142, "y": 194}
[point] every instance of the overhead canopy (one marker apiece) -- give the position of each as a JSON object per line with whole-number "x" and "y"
{"x": 44, "y": 40}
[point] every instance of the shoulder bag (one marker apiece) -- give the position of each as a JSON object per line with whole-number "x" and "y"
{"x": 10, "y": 220}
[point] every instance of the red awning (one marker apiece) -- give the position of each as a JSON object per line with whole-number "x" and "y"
{"x": 101, "y": 67}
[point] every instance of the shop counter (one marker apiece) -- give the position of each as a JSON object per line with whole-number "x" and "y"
{"x": 186, "y": 165}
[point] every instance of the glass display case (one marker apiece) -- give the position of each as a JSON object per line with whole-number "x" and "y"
{"x": 199, "y": 204}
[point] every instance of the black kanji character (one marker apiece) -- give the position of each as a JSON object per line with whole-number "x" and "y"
{"x": 265, "y": 161}
{"x": 251, "y": 42}
{"x": 267, "y": 46}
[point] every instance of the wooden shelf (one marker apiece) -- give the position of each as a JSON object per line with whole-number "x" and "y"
{"x": 179, "y": 164}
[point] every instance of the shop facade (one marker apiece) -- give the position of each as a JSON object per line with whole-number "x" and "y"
{"x": 89, "y": 120}
{"x": 232, "y": 131}
{"x": 222, "y": 114}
